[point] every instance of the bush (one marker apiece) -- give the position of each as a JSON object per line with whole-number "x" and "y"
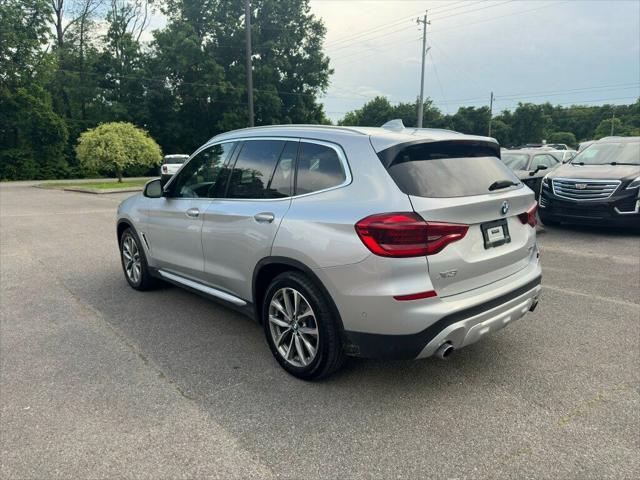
{"x": 117, "y": 147}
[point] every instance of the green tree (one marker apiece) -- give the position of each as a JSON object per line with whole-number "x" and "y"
{"x": 471, "y": 120}
{"x": 529, "y": 124}
{"x": 32, "y": 136}
{"x": 196, "y": 71}
{"x": 604, "y": 128}
{"x": 568, "y": 138}
{"x": 378, "y": 111}
{"x": 372, "y": 114}
{"x": 116, "y": 146}
{"x": 501, "y": 132}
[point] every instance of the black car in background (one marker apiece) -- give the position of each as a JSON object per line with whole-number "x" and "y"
{"x": 600, "y": 186}
{"x": 530, "y": 165}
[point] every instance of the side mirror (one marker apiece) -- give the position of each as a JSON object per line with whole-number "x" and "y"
{"x": 153, "y": 189}
{"x": 538, "y": 168}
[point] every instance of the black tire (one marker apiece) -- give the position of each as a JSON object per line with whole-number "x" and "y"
{"x": 143, "y": 281}
{"x": 329, "y": 355}
{"x": 548, "y": 221}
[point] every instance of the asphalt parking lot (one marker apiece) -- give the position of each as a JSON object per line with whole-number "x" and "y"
{"x": 98, "y": 380}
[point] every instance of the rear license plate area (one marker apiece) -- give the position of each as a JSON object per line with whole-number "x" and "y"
{"x": 495, "y": 233}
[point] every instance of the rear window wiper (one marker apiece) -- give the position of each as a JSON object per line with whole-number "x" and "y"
{"x": 623, "y": 163}
{"x": 497, "y": 185}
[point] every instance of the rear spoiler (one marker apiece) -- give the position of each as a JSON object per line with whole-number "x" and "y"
{"x": 425, "y": 149}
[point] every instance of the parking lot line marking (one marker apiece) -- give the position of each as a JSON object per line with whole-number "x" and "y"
{"x": 591, "y": 295}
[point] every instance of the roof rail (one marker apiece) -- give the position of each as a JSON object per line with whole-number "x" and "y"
{"x": 293, "y": 125}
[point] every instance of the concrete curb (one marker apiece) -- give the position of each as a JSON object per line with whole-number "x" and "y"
{"x": 100, "y": 191}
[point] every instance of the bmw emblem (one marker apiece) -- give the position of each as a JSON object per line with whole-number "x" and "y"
{"x": 505, "y": 208}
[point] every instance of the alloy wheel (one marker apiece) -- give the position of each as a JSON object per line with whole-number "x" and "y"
{"x": 293, "y": 327}
{"x": 131, "y": 258}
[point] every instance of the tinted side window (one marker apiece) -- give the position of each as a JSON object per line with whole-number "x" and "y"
{"x": 253, "y": 169}
{"x": 205, "y": 175}
{"x": 281, "y": 183}
{"x": 319, "y": 167}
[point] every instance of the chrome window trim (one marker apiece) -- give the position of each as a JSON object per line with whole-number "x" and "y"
{"x": 617, "y": 184}
{"x": 337, "y": 148}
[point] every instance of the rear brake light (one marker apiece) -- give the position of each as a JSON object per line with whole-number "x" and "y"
{"x": 407, "y": 234}
{"x": 529, "y": 217}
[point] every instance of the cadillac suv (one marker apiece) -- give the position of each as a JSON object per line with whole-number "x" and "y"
{"x": 374, "y": 242}
{"x": 600, "y": 186}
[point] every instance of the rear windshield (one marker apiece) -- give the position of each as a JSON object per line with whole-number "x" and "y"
{"x": 179, "y": 159}
{"x": 446, "y": 169}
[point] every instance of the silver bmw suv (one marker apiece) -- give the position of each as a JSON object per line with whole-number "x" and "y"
{"x": 372, "y": 242}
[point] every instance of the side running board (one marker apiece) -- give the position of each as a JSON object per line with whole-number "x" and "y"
{"x": 214, "y": 292}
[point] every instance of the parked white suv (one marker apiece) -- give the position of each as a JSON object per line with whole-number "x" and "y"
{"x": 171, "y": 164}
{"x": 372, "y": 242}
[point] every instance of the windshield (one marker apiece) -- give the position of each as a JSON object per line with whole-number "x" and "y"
{"x": 606, "y": 153}
{"x": 515, "y": 161}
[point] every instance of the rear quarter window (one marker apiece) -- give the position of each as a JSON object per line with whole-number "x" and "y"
{"x": 319, "y": 168}
{"x": 446, "y": 169}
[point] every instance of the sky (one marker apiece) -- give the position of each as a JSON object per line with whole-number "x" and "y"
{"x": 564, "y": 52}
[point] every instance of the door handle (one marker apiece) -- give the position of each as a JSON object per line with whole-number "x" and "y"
{"x": 193, "y": 213}
{"x": 264, "y": 217}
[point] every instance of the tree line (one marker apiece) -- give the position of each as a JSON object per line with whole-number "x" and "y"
{"x": 70, "y": 65}
{"x": 527, "y": 123}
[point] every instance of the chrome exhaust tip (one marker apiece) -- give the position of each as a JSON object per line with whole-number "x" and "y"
{"x": 444, "y": 351}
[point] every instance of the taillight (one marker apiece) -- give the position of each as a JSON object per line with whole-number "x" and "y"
{"x": 164, "y": 169}
{"x": 407, "y": 234}
{"x": 529, "y": 217}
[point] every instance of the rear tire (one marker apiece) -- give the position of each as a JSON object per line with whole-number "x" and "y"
{"x": 134, "y": 262}
{"x": 301, "y": 329}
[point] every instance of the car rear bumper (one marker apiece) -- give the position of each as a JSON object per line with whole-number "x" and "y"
{"x": 458, "y": 319}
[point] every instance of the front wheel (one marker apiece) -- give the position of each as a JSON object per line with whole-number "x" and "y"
{"x": 301, "y": 328}
{"x": 134, "y": 262}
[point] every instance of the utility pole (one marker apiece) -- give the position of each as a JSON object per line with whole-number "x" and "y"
{"x": 613, "y": 117}
{"x": 424, "y": 23}
{"x": 247, "y": 24}
{"x": 490, "y": 113}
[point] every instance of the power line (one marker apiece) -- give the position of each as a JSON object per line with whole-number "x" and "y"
{"x": 394, "y": 22}
{"x": 457, "y": 27}
{"x": 476, "y": 10}
{"x": 341, "y": 47}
